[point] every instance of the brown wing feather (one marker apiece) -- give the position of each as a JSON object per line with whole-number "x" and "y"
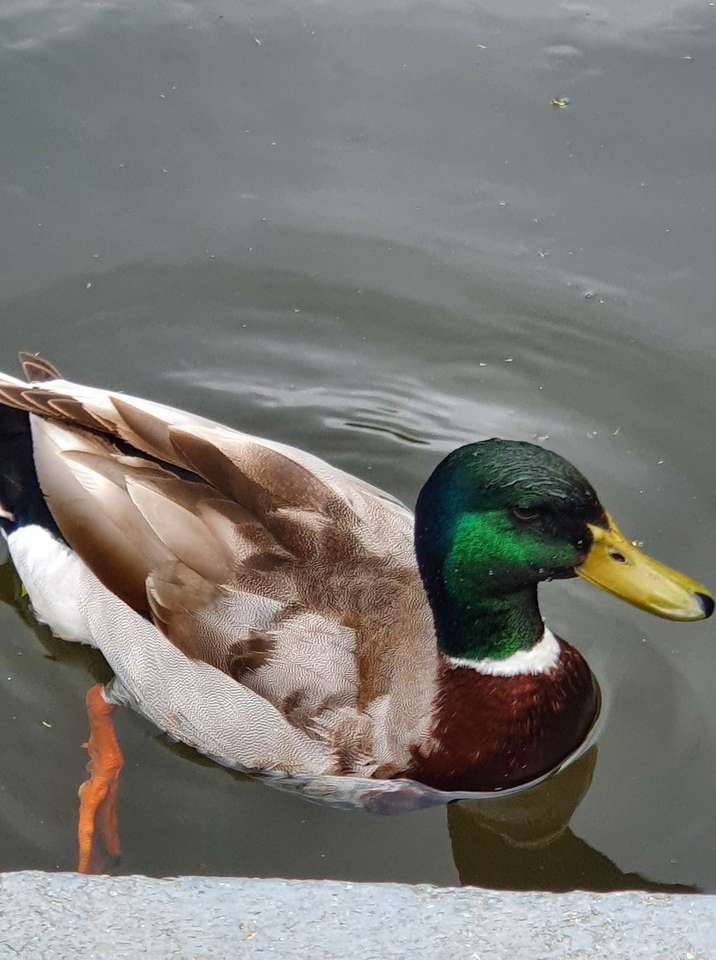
{"x": 11, "y": 394}
{"x": 73, "y": 411}
{"x": 258, "y": 477}
{"x": 37, "y": 369}
{"x": 94, "y": 521}
{"x": 304, "y": 515}
{"x": 207, "y": 460}
{"x": 144, "y": 431}
{"x": 262, "y": 479}
{"x": 169, "y": 506}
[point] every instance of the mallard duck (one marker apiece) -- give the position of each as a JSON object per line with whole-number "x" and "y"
{"x": 281, "y": 615}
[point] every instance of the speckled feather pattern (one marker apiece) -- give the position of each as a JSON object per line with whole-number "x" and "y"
{"x": 261, "y": 606}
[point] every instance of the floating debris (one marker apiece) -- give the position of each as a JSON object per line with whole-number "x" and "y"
{"x": 560, "y": 102}
{"x": 589, "y": 294}
{"x": 46, "y": 724}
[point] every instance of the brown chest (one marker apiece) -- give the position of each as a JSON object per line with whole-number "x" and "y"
{"x": 493, "y": 732}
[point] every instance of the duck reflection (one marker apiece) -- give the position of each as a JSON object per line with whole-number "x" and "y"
{"x": 524, "y": 842}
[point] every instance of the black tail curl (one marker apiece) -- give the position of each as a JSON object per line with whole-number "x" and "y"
{"x": 21, "y": 499}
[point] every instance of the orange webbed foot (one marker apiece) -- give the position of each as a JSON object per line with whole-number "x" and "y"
{"x": 98, "y": 794}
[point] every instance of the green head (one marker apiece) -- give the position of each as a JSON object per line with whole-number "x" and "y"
{"x": 495, "y": 519}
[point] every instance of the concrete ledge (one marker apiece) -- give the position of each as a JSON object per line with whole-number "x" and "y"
{"x": 67, "y": 916}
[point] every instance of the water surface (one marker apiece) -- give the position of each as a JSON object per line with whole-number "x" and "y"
{"x": 362, "y": 228}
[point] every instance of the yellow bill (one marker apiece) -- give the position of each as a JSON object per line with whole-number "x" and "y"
{"x": 616, "y": 565}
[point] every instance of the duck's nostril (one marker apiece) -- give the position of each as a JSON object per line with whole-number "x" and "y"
{"x": 707, "y": 604}
{"x": 619, "y": 557}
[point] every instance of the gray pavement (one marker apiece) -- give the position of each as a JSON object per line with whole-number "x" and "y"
{"x": 68, "y": 916}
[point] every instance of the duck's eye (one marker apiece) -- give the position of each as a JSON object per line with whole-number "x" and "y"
{"x": 524, "y": 514}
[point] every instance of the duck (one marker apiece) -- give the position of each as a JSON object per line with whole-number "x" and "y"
{"x": 282, "y": 616}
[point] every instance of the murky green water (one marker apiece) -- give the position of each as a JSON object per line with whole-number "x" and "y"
{"x": 362, "y": 228}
